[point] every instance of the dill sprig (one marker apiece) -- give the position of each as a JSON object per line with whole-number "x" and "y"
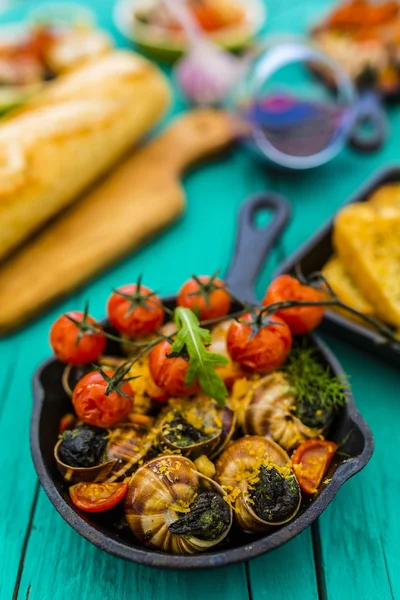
{"x": 312, "y": 382}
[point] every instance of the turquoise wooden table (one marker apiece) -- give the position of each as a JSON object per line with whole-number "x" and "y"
{"x": 353, "y": 551}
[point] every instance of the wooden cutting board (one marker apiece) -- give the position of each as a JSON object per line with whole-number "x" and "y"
{"x": 141, "y": 197}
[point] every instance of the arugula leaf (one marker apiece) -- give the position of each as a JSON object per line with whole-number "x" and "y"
{"x": 201, "y": 363}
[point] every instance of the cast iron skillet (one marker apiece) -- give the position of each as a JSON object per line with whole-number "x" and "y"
{"x": 313, "y": 255}
{"x": 51, "y": 402}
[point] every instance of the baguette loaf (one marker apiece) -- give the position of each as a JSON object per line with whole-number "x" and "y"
{"x": 367, "y": 241}
{"x": 69, "y": 135}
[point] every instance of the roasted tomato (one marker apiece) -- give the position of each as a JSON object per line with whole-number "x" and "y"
{"x": 96, "y": 497}
{"x": 95, "y": 407}
{"x": 311, "y": 461}
{"x": 300, "y": 319}
{"x": 135, "y": 310}
{"x": 66, "y": 423}
{"x": 64, "y": 336}
{"x": 205, "y": 296}
{"x": 232, "y": 371}
{"x": 263, "y": 352}
{"x": 169, "y": 373}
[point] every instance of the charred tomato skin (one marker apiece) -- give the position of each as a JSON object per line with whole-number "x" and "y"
{"x": 263, "y": 352}
{"x": 300, "y": 319}
{"x": 138, "y": 320}
{"x": 95, "y": 407}
{"x": 63, "y": 340}
{"x": 169, "y": 373}
{"x": 207, "y": 307}
{"x": 82, "y": 446}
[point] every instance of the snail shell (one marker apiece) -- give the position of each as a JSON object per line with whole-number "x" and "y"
{"x": 126, "y": 447}
{"x": 263, "y": 408}
{"x": 201, "y": 413}
{"x": 157, "y": 493}
{"x": 238, "y": 471}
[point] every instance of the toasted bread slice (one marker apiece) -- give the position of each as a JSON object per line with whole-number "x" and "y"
{"x": 367, "y": 241}
{"x": 386, "y": 197}
{"x": 344, "y": 286}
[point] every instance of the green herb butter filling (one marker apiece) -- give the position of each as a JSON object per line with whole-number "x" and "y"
{"x": 208, "y": 518}
{"x": 274, "y": 497}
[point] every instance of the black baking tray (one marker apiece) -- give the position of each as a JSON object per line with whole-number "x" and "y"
{"x": 313, "y": 255}
{"x": 349, "y": 428}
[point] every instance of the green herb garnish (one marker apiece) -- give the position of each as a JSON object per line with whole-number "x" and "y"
{"x": 193, "y": 338}
{"x": 312, "y": 383}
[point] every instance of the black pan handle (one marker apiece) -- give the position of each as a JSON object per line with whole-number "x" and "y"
{"x": 254, "y": 243}
{"x": 369, "y": 111}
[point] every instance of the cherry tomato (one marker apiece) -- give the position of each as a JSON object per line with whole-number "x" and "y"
{"x": 265, "y": 351}
{"x": 94, "y": 407}
{"x": 96, "y": 497}
{"x": 232, "y": 371}
{"x": 209, "y": 299}
{"x": 135, "y": 311}
{"x": 300, "y": 319}
{"x": 68, "y": 421}
{"x": 169, "y": 373}
{"x": 311, "y": 461}
{"x": 64, "y": 335}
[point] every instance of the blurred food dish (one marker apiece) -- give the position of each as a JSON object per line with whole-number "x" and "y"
{"x": 35, "y": 52}
{"x": 358, "y": 252}
{"x": 70, "y": 134}
{"x": 228, "y": 23}
{"x": 364, "y": 37}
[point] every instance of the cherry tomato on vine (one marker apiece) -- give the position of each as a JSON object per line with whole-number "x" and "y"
{"x": 301, "y": 319}
{"x": 169, "y": 373}
{"x": 232, "y": 371}
{"x": 311, "y": 461}
{"x": 135, "y": 310}
{"x": 97, "y": 497}
{"x": 263, "y": 351}
{"x": 95, "y": 407}
{"x": 206, "y": 296}
{"x": 64, "y": 335}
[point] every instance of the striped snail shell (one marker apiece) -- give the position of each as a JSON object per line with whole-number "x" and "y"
{"x": 261, "y": 486}
{"x": 126, "y": 446}
{"x": 196, "y": 426}
{"x": 264, "y": 406}
{"x": 167, "y": 495}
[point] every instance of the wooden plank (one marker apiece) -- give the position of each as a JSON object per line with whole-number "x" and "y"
{"x": 60, "y": 564}
{"x": 288, "y": 572}
{"x": 24, "y": 351}
{"x": 360, "y": 531}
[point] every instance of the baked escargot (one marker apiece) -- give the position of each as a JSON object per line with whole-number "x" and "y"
{"x": 92, "y": 454}
{"x": 260, "y": 484}
{"x": 172, "y": 507}
{"x": 196, "y": 426}
{"x": 267, "y": 407}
